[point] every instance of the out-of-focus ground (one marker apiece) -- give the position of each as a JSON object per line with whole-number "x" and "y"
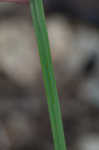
{"x": 24, "y": 119}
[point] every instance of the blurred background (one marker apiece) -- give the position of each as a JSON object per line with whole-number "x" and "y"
{"x": 73, "y": 29}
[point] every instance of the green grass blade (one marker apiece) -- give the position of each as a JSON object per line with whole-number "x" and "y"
{"x": 48, "y": 74}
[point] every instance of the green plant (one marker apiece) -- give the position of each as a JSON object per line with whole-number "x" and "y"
{"x": 38, "y": 17}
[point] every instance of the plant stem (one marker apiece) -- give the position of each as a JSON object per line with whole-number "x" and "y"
{"x": 38, "y": 17}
